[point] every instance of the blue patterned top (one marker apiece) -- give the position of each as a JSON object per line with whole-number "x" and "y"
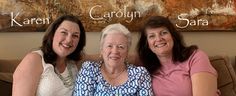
{"x": 90, "y": 82}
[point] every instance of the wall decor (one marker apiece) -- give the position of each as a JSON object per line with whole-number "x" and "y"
{"x": 187, "y": 15}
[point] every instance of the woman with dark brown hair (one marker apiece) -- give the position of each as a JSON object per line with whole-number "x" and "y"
{"x": 51, "y": 71}
{"x": 176, "y": 69}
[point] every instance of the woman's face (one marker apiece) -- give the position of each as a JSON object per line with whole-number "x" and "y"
{"x": 160, "y": 41}
{"x": 66, "y": 38}
{"x": 114, "y": 49}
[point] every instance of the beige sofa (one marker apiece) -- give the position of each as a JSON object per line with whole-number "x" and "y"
{"x": 7, "y": 68}
{"x": 226, "y": 75}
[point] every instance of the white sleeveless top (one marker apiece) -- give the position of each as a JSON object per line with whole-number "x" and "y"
{"x": 51, "y": 83}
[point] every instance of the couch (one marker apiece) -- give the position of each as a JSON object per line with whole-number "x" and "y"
{"x": 7, "y": 67}
{"x": 226, "y": 75}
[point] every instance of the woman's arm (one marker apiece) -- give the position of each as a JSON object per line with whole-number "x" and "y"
{"x": 204, "y": 84}
{"x": 27, "y": 75}
{"x": 203, "y": 75}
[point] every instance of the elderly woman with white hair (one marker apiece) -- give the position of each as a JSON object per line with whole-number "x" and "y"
{"x": 113, "y": 76}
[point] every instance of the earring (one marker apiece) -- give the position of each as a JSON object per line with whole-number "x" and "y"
{"x": 100, "y": 59}
{"x": 126, "y": 61}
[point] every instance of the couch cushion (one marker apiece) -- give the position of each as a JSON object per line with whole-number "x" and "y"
{"x": 7, "y": 77}
{"x": 226, "y": 75}
{"x": 8, "y": 66}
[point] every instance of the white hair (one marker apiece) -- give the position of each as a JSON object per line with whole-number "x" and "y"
{"x": 115, "y": 28}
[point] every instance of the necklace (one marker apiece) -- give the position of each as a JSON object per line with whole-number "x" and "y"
{"x": 68, "y": 80}
{"x": 110, "y": 77}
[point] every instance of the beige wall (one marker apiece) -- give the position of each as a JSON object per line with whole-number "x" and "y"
{"x": 15, "y": 45}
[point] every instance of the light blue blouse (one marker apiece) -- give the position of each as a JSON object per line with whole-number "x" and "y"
{"x": 90, "y": 82}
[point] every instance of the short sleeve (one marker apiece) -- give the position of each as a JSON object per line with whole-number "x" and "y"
{"x": 84, "y": 85}
{"x": 199, "y": 62}
{"x": 145, "y": 88}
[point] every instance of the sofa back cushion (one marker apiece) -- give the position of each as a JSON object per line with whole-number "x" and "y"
{"x": 226, "y": 75}
{"x": 8, "y": 66}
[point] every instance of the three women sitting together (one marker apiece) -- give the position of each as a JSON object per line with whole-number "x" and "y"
{"x": 162, "y": 66}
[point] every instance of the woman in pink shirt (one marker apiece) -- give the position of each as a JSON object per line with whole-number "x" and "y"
{"x": 176, "y": 69}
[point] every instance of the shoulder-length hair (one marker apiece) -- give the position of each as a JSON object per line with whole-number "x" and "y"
{"x": 49, "y": 55}
{"x": 148, "y": 58}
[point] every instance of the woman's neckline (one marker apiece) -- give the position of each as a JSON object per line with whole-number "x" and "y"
{"x": 114, "y": 85}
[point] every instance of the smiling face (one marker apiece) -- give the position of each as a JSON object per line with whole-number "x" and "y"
{"x": 114, "y": 49}
{"x": 160, "y": 41}
{"x": 66, "y": 38}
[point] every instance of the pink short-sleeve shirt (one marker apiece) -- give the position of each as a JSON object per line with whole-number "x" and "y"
{"x": 175, "y": 80}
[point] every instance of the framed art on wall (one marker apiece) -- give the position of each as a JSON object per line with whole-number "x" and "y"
{"x": 187, "y": 15}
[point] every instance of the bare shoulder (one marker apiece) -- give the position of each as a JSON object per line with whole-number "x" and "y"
{"x": 32, "y": 62}
{"x": 27, "y": 75}
{"x": 31, "y": 59}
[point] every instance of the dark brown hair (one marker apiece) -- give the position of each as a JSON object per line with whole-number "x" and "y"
{"x": 148, "y": 58}
{"x": 49, "y": 55}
